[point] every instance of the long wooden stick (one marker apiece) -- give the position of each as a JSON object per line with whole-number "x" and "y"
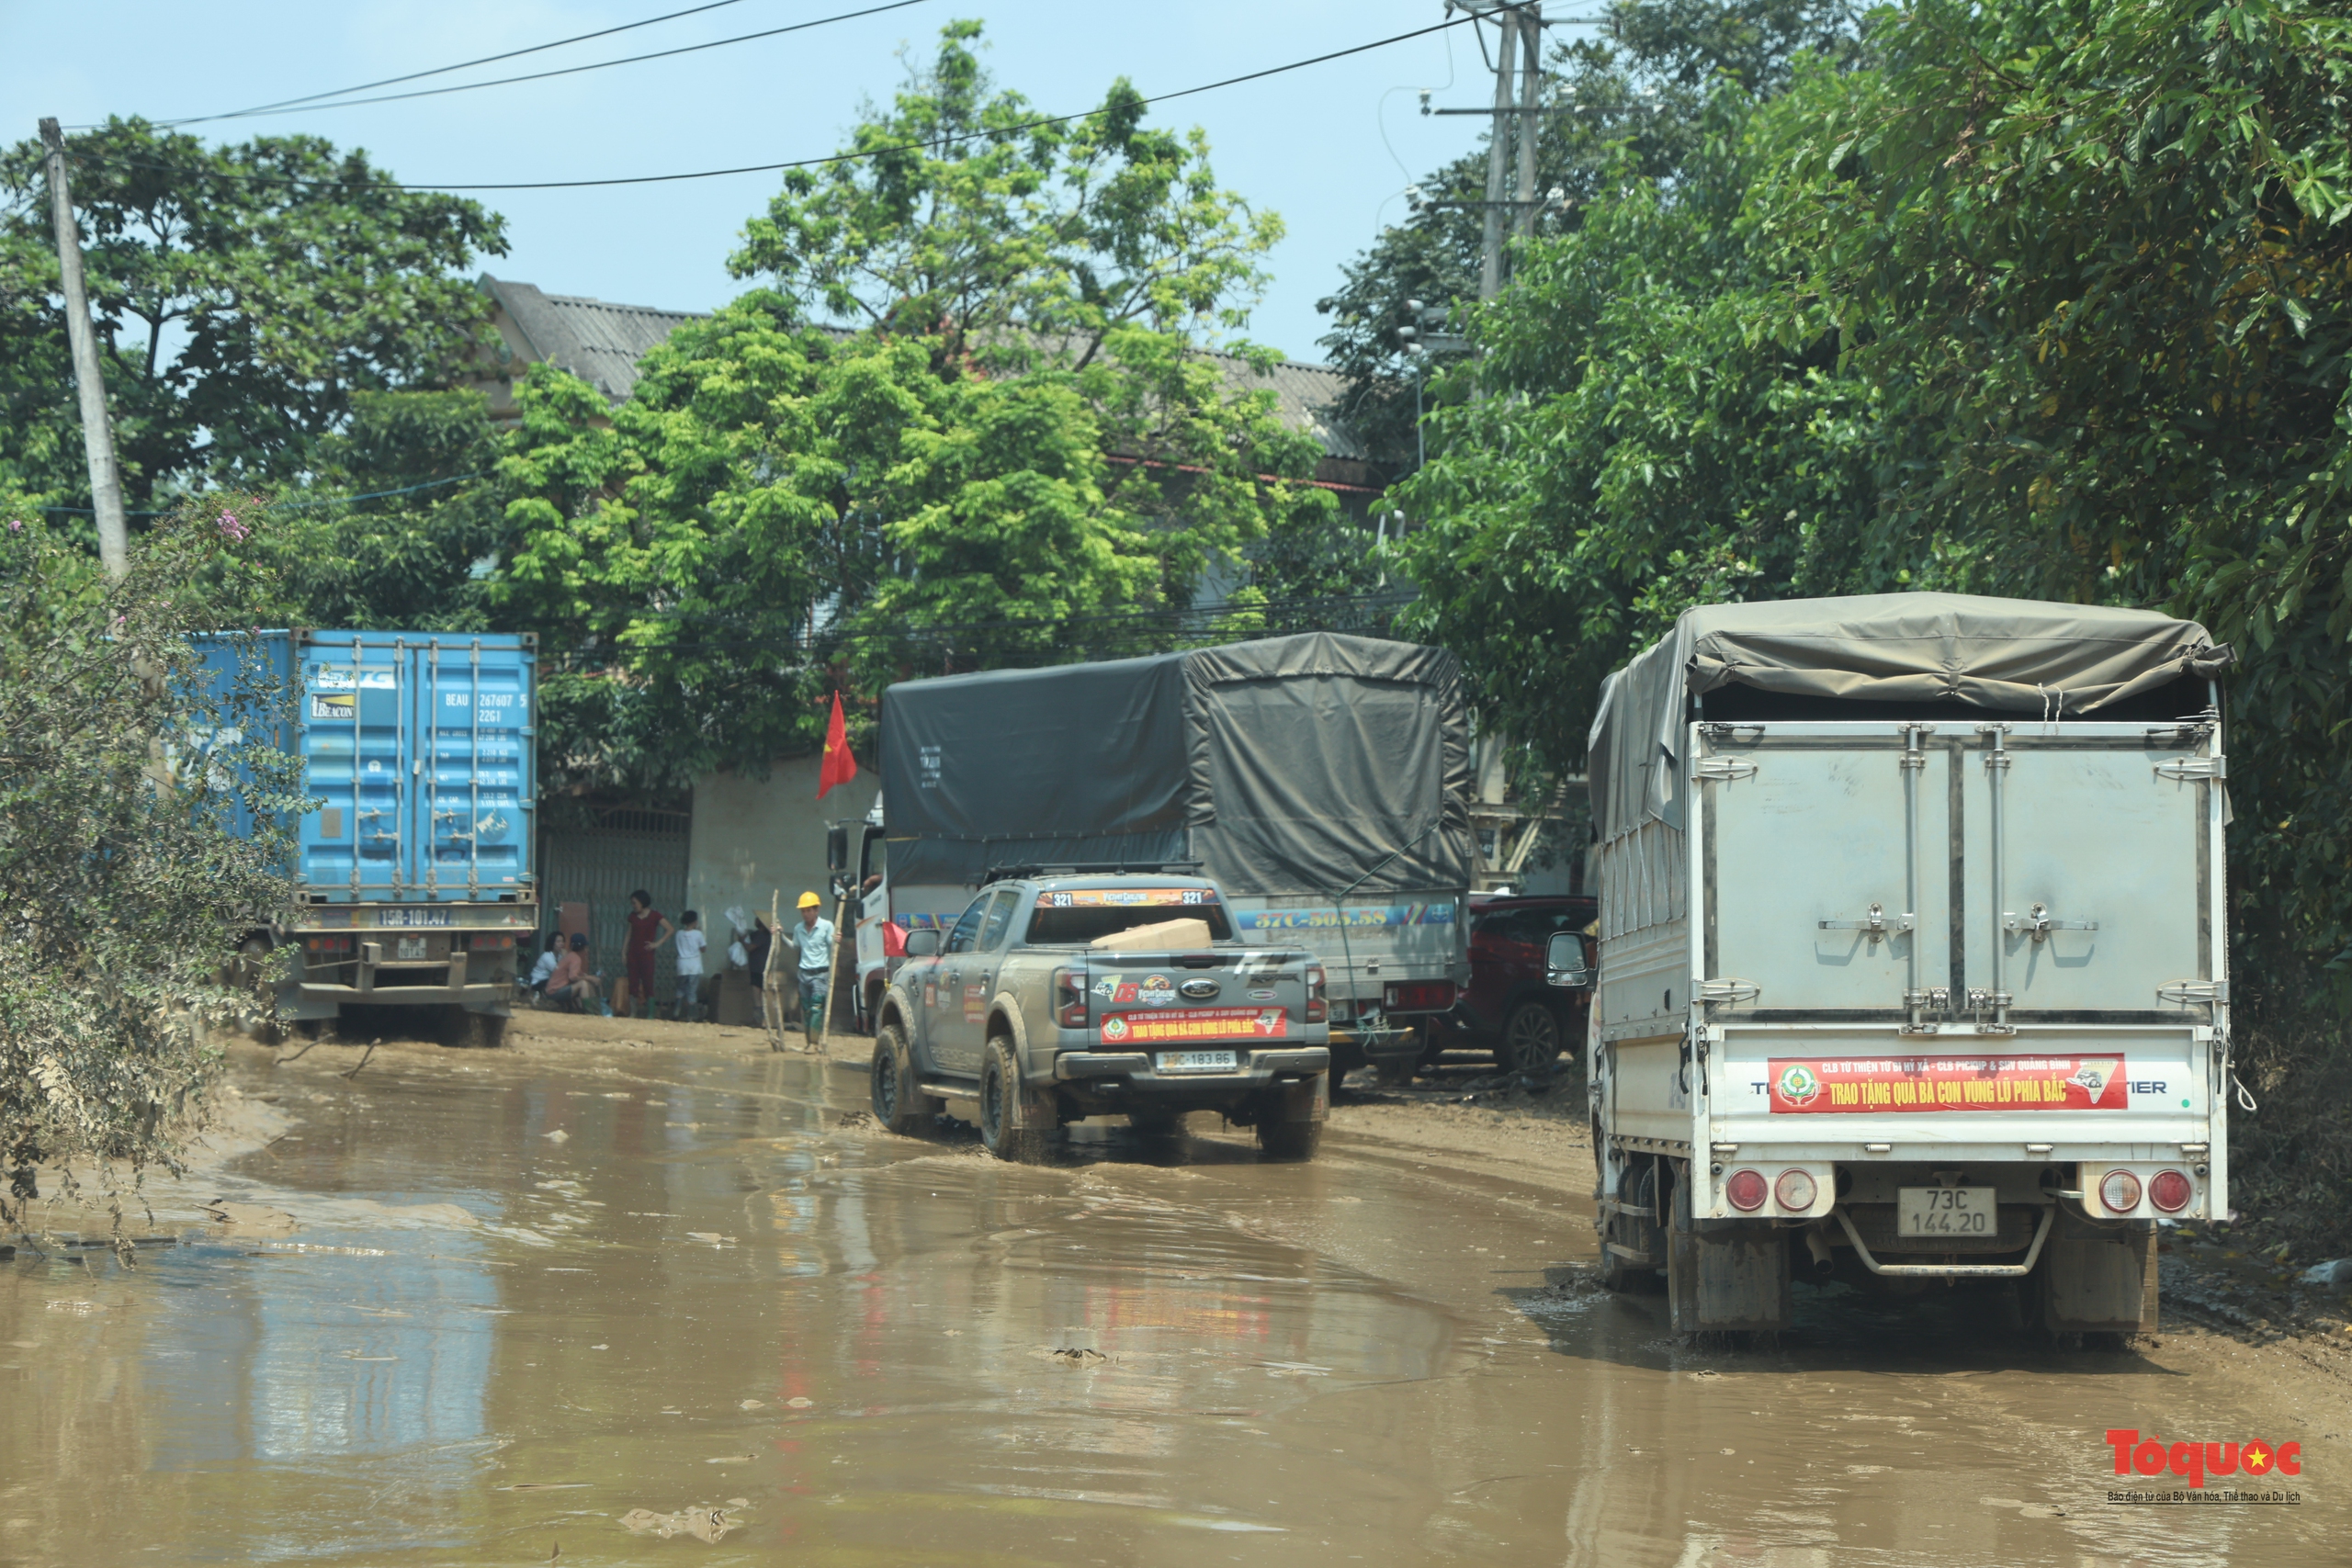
{"x": 771, "y": 1005}
{"x": 832, "y": 982}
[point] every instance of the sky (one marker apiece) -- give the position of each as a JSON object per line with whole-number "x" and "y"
{"x": 1331, "y": 148}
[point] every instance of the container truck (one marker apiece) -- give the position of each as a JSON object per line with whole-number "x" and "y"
{"x": 413, "y": 872}
{"x": 1912, "y": 958}
{"x": 1322, "y": 781}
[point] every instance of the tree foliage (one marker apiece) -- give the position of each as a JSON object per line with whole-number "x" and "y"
{"x": 2047, "y": 298}
{"x": 1018, "y": 440}
{"x": 1630, "y": 104}
{"x": 126, "y": 878}
{"x": 244, "y": 297}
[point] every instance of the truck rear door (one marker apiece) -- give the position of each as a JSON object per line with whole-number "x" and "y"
{"x": 2032, "y": 907}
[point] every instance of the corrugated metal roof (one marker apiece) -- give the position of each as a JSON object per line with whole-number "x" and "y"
{"x": 1306, "y": 395}
{"x": 598, "y": 341}
{"x": 601, "y": 342}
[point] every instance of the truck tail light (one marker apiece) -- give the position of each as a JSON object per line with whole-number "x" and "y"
{"x": 1070, "y": 997}
{"x": 327, "y": 943}
{"x": 1794, "y": 1191}
{"x": 1418, "y": 996}
{"x": 1315, "y": 1010}
{"x": 2119, "y": 1190}
{"x": 2170, "y": 1190}
{"x": 1745, "y": 1190}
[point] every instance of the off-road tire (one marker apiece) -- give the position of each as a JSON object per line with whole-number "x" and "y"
{"x": 899, "y": 1103}
{"x": 1395, "y": 1072}
{"x": 473, "y": 1031}
{"x": 1289, "y": 1140}
{"x": 1000, "y": 1087}
{"x": 1532, "y": 1039}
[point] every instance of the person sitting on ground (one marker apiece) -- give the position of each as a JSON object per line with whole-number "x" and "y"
{"x": 570, "y": 984}
{"x": 649, "y": 927}
{"x": 545, "y": 967}
{"x": 689, "y": 943}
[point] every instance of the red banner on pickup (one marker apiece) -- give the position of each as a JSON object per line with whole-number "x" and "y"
{"x": 1199, "y": 1023}
{"x": 1815, "y": 1085}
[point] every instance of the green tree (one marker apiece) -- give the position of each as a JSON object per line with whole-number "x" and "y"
{"x": 244, "y": 297}
{"x": 1017, "y": 450}
{"x": 1629, "y": 105}
{"x": 127, "y": 875}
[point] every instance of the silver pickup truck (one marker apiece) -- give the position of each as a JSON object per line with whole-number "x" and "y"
{"x": 1030, "y": 1013}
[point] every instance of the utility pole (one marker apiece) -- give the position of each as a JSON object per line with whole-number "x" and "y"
{"x": 89, "y": 383}
{"x": 1490, "y": 246}
{"x": 1520, "y": 55}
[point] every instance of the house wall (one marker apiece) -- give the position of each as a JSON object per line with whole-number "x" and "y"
{"x": 756, "y": 837}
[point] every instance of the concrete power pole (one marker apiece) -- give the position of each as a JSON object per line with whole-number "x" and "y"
{"x": 89, "y": 383}
{"x": 1490, "y": 247}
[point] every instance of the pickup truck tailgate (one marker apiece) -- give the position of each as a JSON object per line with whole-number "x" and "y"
{"x": 1226, "y": 996}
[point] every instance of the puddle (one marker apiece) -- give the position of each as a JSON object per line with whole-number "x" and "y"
{"x": 427, "y": 1333}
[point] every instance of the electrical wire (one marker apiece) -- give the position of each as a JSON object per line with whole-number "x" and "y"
{"x": 300, "y": 107}
{"x": 936, "y": 142}
{"x": 461, "y": 65}
{"x": 1137, "y": 620}
{"x": 302, "y": 505}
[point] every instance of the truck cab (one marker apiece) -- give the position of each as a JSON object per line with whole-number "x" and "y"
{"x": 1056, "y": 997}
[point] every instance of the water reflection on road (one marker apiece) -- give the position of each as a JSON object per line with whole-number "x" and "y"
{"x": 525, "y": 1299}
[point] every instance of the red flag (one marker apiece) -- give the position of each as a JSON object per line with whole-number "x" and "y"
{"x": 839, "y": 766}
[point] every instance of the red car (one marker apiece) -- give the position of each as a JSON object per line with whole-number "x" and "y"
{"x": 1507, "y": 1009}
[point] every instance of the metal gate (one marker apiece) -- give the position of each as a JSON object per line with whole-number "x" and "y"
{"x": 600, "y": 863}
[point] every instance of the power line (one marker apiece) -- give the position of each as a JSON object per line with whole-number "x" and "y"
{"x": 304, "y": 106}
{"x": 304, "y": 506}
{"x": 461, "y": 65}
{"x": 1140, "y": 622}
{"x": 936, "y": 142}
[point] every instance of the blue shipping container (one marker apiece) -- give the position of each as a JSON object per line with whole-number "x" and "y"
{"x": 420, "y": 749}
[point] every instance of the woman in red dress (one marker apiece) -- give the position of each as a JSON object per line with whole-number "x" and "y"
{"x": 648, "y": 930}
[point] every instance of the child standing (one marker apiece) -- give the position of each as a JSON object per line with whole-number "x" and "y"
{"x": 689, "y": 943}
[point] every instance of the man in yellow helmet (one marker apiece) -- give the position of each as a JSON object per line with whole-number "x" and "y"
{"x": 814, "y": 939}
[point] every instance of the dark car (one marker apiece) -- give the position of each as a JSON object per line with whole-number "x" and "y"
{"x": 1507, "y": 1009}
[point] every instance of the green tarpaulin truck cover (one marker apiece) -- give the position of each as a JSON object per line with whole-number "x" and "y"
{"x": 2019, "y": 655}
{"x": 1290, "y": 765}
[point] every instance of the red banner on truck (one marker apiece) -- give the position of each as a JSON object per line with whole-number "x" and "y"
{"x": 1200, "y": 1023}
{"x": 1815, "y": 1085}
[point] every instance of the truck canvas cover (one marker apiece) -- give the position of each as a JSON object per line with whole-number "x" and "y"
{"x": 1290, "y": 765}
{"x": 2020, "y": 656}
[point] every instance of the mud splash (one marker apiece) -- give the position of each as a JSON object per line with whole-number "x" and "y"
{"x": 476, "y": 1342}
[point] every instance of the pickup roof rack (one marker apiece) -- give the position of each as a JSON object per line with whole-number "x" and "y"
{"x": 1096, "y": 868}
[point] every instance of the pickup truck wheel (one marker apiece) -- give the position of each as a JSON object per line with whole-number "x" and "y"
{"x": 899, "y": 1104}
{"x": 1289, "y": 1140}
{"x": 1532, "y": 1038}
{"x": 1001, "y": 1093}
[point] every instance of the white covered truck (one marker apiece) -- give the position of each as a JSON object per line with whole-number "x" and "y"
{"x": 1912, "y": 954}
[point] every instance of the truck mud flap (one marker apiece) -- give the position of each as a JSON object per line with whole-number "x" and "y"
{"x": 1724, "y": 1275}
{"x": 2099, "y": 1279}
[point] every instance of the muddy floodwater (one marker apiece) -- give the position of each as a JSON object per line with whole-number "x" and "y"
{"x": 641, "y": 1304}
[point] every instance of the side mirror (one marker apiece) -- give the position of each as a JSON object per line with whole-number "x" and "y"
{"x": 923, "y": 943}
{"x": 837, "y": 846}
{"x": 1564, "y": 961}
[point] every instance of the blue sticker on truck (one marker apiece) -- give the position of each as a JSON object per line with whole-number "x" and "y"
{"x": 1355, "y": 917}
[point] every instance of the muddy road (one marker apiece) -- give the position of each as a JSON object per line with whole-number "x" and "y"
{"x": 677, "y": 1300}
